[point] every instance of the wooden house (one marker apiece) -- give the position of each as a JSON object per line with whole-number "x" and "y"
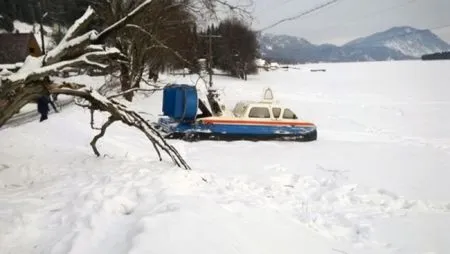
{"x": 15, "y": 47}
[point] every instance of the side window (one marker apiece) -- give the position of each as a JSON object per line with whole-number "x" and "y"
{"x": 276, "y": 112}
{"x": 258, "y": 112}
{"x": 288, "y": 114}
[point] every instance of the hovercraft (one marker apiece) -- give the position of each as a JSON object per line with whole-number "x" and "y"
{"x": 187, "y": 117}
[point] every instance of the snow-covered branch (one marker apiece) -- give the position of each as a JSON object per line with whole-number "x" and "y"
{"x": 89, "y": 59}
{"x": 119, "y": 112}
{"x": 120, "y": 23}
{"x": 136, "y": 89}
{"x": 80, "y": 24}
{"x": 67, "y": 49}
{"x": 79, "y": 48}
{"x": 232, "y": 7}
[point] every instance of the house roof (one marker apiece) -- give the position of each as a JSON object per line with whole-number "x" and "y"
{"x": 14, "y": 47}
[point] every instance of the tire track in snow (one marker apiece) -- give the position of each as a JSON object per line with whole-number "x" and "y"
{"x": 377, "y": 134}
{"x": 72, "y": 207}
{"x": 110, "y": 214}
{"x": 420, "y": 141}
{"x": 115, "y": 207}
{"x": 328, "y": 205}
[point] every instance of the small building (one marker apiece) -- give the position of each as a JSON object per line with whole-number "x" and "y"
{"x": 15, "y": 47}
{"x": 260, "y": 63}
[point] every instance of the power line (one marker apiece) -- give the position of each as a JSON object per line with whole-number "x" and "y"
{"x": 369, "y": 15}
{"x": 365, "y": 17}
{"x": 319, "y": 7}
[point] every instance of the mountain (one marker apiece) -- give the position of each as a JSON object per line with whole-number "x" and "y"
{"x": 409, "y": 41}
{"x": 397, "y": 43}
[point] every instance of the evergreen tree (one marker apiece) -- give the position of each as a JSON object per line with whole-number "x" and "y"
{"x": 59, "y": 11}
{"x": 236, "y": 48}
{"x": 437, "y": 56}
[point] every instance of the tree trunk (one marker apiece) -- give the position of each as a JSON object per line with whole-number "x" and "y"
{"x": 81, "y": 51}
{"x": 8, "y": 108}
{"x": 125, "y": 81}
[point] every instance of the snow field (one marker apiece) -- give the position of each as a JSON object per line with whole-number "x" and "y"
{"x": 374, "y": 182}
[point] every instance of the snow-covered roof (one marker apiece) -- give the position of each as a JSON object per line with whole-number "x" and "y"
{"x": 274, "y": 65}
{"x": 260, "y": 62}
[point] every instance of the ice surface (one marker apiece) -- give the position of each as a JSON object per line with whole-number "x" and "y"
{"x": 376, "y": 180}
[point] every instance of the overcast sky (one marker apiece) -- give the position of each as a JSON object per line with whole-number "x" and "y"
{"x": 349, "y": 19}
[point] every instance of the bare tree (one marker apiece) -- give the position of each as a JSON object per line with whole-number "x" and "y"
{"x": 79, "y": 47}
{"x": 147, "y": 41}
{"x": 103, "y": 49}
{"x": 161, "y": 37}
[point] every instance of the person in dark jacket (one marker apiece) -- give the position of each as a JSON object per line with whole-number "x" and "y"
{"x": 42, "y": 105}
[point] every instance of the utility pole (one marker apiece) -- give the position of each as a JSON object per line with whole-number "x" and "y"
{"x": 41, "y": 20}
{"x": 210, "y": 58}
{"x": 210, "y": 54}
{"x": 212, "y": 93}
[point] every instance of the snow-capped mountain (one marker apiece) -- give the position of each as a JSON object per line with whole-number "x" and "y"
{"x": 284, "y": 41}
{"x": 407, "y": 40}
{"x": 398, "y": 43}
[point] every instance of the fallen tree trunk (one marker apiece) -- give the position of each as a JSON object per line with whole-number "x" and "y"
{"x": 117, "y": 111}
{"x": 78, "y": 49}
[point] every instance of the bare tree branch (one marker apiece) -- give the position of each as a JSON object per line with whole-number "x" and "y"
{"x": 120, "y": 112}
{"x": 101, "y": 134}
{"x": 149, "y": 84}
{"x": 241, "y": 8}
{"x": 121, "y": 23}
{"x": 162, "y": 45}
{"x": 136, "y": 89}
{"x": 92, "y": 111}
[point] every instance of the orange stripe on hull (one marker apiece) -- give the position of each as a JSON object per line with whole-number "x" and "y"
{"x": 250, "y": 122}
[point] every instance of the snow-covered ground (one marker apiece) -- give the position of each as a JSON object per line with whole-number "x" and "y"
{"x": 376, "y": 180}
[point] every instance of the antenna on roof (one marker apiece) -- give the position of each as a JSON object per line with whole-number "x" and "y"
{"x": 268, "y": 94}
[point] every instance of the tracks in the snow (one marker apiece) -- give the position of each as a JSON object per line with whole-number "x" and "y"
{"x": 330, "y": 206}
{"x": 382, "y": 135}
{"x": 121, "y": 202}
